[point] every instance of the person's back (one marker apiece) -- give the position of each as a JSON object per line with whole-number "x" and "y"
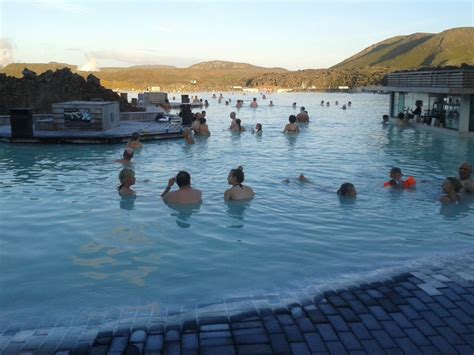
{"x": 238, "y": 191}
{"x": 185, "y": 195}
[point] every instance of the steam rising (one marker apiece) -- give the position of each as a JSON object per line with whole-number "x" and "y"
{"x": 91, "y": 64}
{"x": 6, "y": 52}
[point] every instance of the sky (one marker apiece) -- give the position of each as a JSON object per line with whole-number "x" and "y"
{"x": 290, "y": 34}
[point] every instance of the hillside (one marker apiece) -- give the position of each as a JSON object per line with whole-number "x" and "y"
{"x": 16, "y": 69}
{"x": 449, "y": 48}
{"x": 223, "y": 65}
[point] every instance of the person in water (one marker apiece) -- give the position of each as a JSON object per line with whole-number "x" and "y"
{"x": 254, "y": 103}
{"x": 238, "y": 191}
{"x": 465, "y": 171}
{"x": 134, "y": 142}
{"x": 302, "y": 117}
{"x": 451, "y": 187}
{"x": 271, "y": 103}
{"x": 397, "y": 182}
{"x": 258, "y": 129}
{"x": 238, "y": 126}
{"x": 385, "y": 119}
{"x": 395, "y": 178}
{"x": 127, "y": 156}
{"x": 291, "y": 127}
{"x": 188, "y": 135}
{"x": 233, "y": 117}
{"x": 127, "y": 179}
{"x": 185, "y": 195}
{"x": 347, "y": 190}
{"x": 203, "y": 129}
{"x": 301, "y": 179}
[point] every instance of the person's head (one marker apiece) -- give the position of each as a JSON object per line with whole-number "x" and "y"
{"x": 203, "y": 114}
{"x": 227, "y": 102}
{"x": 258, "y": 127}
{"x": 236, "y": 176}
{"x": 385, "y": 118}
{"x": 396, "y": 174}
{"x": 347, "y": 189}
{"x": 198, "y": 115}
{"x": 135, "y": 136}
{"x": 128, "y": 154}
{"x": 254, "y": 99}
{"x": 465, "y": 171}
{"x": 127, "y": 177}
{"x": 401, "y": 116}
{"x": 202, "y": 120}
{"x": 294, "y": 104}
{"x": 238, "y": 121}
{"x": 292, "y": 118}
{"x": 451, "y": 184}
{"x": 183, "y": 179}
{"x": 233, "y": 115}
{"x": 302, "y": 109}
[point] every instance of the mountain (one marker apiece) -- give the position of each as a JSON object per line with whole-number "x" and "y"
{"x": 452, "y": 47}
{"x": 224, "y": 65}
{"x": 15, "y": 69}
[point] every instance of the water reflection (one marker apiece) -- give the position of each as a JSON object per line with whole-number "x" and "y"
{"x": 128, "y": 203}
{"x": 183, "y": 213}
{"x": 236, "y": 209}
{"x": 455, "y": 211}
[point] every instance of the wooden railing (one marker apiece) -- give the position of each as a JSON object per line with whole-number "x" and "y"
{"x": 433, "y": 79}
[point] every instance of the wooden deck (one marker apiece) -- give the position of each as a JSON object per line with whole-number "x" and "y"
{"x": 148, "y": 131}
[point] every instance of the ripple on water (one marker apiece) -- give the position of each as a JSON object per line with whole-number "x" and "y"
{"x": 66, "y": 233}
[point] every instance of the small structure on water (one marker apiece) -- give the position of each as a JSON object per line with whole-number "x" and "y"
{"x": 86, "y": 122}
{"x": 444, "y": 98}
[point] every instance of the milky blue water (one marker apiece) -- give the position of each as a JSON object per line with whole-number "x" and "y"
{"x": 69, "y": 243}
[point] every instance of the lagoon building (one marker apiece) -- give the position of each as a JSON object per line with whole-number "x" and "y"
{"x": 446, "y": 98}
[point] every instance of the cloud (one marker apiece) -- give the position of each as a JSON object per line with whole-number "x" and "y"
{"x": 6, "y": 52}
{"x": 142, "y": 57}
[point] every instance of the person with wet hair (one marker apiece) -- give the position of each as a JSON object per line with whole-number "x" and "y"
{"x": 127, "y": 179}
{"x": 134, "y": 142}
{"x": 347, "y": 190}
{"x": 185, "y": 195}
{"x": 451, "y": 187}
{"x": 291, "y": 127}
{"x": 238, "y": 191}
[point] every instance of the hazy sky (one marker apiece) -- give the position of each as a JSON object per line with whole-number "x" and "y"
{"x": 290, "y": 34}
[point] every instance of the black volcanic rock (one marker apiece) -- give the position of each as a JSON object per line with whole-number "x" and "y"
{"x": 28, "y": 74}
{"x": 41, "y": 91}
